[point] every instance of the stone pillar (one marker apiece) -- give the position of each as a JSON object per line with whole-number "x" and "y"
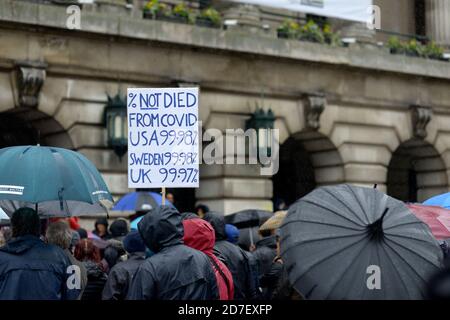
{"x": 230, "y": 177}
{"x": 351, "y": 29}
{"x": 231, "y": 188}
{"x": 438, "y": 21}
{"x": 247, "y": 16}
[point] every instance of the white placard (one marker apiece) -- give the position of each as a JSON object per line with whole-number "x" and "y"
{"x": 355, "y": 10}
{"x": 163, "y": 138}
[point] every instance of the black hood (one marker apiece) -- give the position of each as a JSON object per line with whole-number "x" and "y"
{"x": 217, "y": 221}
{"x": 161, "y": 227}
{"x": 102, "y": 221}
{"x": 21, "y": 244}
{"x": 119, "y": 228}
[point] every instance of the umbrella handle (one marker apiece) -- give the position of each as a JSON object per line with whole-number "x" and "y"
{"x": 251, "y": 236}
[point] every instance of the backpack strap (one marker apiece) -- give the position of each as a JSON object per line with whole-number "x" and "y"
{"x": 216, "y": 266}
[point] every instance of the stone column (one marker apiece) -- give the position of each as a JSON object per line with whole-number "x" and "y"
{"x": 351, "y": 29}
{"x": 438, "y": 21}
{"x": 247, "y": 16}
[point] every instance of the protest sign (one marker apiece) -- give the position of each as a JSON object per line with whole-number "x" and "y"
{"x": 163, "y": 138}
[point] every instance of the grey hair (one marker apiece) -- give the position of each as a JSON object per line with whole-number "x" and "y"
{"x": 59, "y": 234}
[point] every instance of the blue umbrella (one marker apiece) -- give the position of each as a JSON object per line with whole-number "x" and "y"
{"x": 59, "y": 182}
{"x": 139, "y": 201}
{"x": 442, "y": 200}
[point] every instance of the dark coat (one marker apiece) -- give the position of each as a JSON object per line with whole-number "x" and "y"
{"x": 96, "y": 281}
{"x": 120, "y": 276}
{"x": 239, "y": 262}
{"x": 33, "y": 270}
{"x": 175, "y": 271}
{"x": 266, "y": 251}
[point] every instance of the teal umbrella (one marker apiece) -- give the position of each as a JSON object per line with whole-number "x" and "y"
{"x": 58, "y": 182}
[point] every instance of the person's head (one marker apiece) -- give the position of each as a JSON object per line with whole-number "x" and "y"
{"x": 83, "y": 233}
{"x": 189, "y": 215}
{"x": 201, "y": 210}
{"x": 85, "y": 250}
{"x": 199, "y": 235}
{"x": 25, "y": 221}
{"x": 133, "y": 242}
{"x": 59, "y": 234}
{"x": 119, "y": 228}
{"x": 162, "y": 227}
{"x": 217, "y": 221}
{"x": 232, "y": 233}
{"x": 101, "y": 226}
{"x": 170, "y": 197}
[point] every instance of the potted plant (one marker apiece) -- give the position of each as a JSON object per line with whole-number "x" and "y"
{"x": 288, "y": 30}
{"x": 154, "y": 10}
{"x": 414, "y": 49}
{"x": 395, "y": 46}
{"x": 331, "y": 38}
{"x": 433, "y": 51}
{"x": 181, "y": 13}
{"x": 311, "y": 32}
{"x": 209, "y": 17}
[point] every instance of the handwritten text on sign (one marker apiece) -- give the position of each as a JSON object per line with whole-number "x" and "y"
{"x": 163, "y": 137}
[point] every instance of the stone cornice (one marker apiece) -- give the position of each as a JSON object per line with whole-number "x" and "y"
{"x": 23, "y": 14}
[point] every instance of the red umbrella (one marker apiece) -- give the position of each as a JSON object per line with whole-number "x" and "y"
{"x": 437, "y": 218}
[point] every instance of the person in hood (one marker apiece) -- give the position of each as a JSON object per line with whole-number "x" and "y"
{"x": 113, "y": 253}
{"x": 266, "y": 250}
{"x": 89, "y": 254}
{"x": 119, "y": 229}
{"x": 199, "y": 234}
{"x": 175, "y": 271}
{"x": 101, "y": 229}
{"x": 232, "y": 233}
{"x": 30, "y": 269}
{"x": 119, "y": 278}
{"x": 241, "y": 264}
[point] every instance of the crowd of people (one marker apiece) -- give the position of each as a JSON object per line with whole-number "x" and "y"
{"x": 171, "y": 255}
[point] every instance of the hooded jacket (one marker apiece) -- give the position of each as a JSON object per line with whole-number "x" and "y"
{"x": 266, "y": 251}
{"x": 96, "y": 281}
{"x": 240, "y": 263}
{"x": 33, "y": 270}
{"x": 175, "y": 271}
{"x": 120, "y": 276}
{"x": 199, "y": 234}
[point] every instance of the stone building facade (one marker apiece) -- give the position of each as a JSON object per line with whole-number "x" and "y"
{"x": 346, "y": 115}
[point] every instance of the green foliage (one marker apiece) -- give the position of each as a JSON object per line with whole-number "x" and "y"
{"x": 155, "y": 8}
{"x": 212, "y": 15}
{"x": 433, "y": 51}
{"x": 395, "y": 45}
{"x": 289, "y": 29}
{"x": 331, "y": 37}
{"x": 310, "y": 31}
{"x": 415, "y": 48}
{"x": 181, "y": 10}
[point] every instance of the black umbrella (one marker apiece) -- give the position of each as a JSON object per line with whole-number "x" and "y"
{"x": 248, "y": 218}
{"x": 347, "y": 242}
{"x": 248, "y": 222}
